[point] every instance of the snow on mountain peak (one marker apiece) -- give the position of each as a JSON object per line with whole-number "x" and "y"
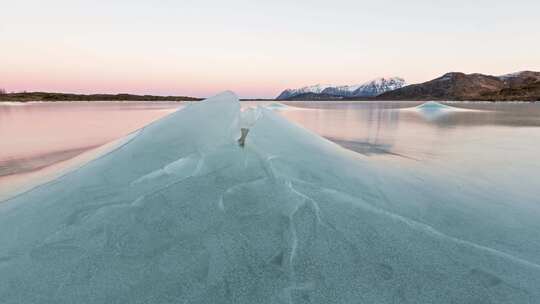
{"x": 367, "y": 89}
{"x": 513, "y": 75}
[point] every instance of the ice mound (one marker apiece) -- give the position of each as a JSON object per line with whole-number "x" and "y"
{"x": 182, "y": 214}
{"x": 277, "y": 106}
{"x": 433, "y": 106}
{"x": 433, "y": 110}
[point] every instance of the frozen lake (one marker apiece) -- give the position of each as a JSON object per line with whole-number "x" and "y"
{"x": 496, "y": 143}
{"x": 38, "y": 138}
{"x": 490, "y": 143}
{"x": 428, "y": 203}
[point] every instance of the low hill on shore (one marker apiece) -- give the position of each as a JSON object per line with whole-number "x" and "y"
{"x": 523, "y": 86}
{"x": 45, "y": 96}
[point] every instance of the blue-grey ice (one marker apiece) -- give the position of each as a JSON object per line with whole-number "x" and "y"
{"x": 433, "y": 110}
{"x": 277, "y": 106}
{"x": 181, "y": 213}
{"x": 434, "y": 106}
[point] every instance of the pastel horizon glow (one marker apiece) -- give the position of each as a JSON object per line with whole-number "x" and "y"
{"x": 256, "y": 48}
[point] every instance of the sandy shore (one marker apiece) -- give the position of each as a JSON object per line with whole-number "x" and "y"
{"x": 39, "y": 161}
{"x": 14, "y": 184}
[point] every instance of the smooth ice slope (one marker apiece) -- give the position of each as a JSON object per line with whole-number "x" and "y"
{"x": 182, "y": 214}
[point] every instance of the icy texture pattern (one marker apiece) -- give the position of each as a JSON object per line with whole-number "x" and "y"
{"x": 181, "y": 214}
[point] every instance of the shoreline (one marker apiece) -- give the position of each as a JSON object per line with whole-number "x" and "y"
{"x": 70, "y": 97}
{"x": 406, "y": 100}
{"x": 32, "y": 163}
{"x": 20, "y": 102}
{"x": 14, "y": 185}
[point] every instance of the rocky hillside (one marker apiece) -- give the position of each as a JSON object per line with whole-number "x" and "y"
{"x": 459, "y": 86}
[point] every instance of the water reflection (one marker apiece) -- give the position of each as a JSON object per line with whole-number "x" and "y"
{"x": 404, "y": 130}
{"x": 37, "y": 136}
{"x": 369, "y": 129}
{"x": 36, "y": 129}
{"x": 484, "y": 139}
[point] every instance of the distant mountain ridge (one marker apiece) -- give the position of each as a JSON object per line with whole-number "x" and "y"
{"x": 523, "y": 86}
{"x": 368, "y": 89}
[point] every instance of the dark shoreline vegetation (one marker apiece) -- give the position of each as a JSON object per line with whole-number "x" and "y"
{"x": 52, "y": 97}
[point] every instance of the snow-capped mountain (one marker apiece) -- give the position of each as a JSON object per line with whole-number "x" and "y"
{"x": 379, "y": 86}
{"x": 343, "y": 91}
{"x": 316, "y": 89}
{"x": 367, "y": 89}
{"x": 519, "y": 78}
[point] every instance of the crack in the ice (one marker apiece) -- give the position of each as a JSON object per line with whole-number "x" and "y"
{"x": 430, "y": 230}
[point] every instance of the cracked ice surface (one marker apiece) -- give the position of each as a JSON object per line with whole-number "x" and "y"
{"x": 182, "y": 214}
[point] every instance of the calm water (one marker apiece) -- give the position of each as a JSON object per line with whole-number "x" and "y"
{"x": 490, "y": 146}
{"x": 38, "y": 139}
{"x": 493, "y": 144}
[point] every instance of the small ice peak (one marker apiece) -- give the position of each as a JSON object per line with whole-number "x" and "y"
{"x": 225, "y": 95}
{"x": 220, "y": 98}
{"x": 276, "y": 106}
{"x": 433, "y": 110}
{"x": 248, "y": 118}
{"x": 433, "y": 105}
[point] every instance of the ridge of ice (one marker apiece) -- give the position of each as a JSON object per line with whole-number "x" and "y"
{"x": 182, "y": 213}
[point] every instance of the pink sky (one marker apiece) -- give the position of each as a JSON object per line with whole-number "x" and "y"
{"x": 256, "y": 49}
